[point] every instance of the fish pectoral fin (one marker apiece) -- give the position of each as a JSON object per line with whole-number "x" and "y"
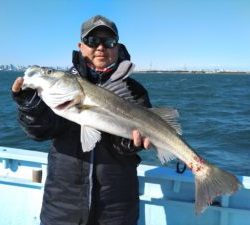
{"x": 170, "y": 115}
{"x": 89, "y": 138}
{"x": 165, "y": 155}
{"x": 82, "y": 107}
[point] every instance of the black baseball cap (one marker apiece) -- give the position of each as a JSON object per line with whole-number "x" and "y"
{"x": 98, "y": 21}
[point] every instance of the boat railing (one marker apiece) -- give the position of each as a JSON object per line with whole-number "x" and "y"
{"x": 23, "y": 167}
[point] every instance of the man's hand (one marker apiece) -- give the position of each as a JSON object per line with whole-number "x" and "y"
{"x": 17, "y": 85}
{"x": 139, "y": 140}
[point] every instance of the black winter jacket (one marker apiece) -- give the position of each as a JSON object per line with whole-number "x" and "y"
{"x": 97, "y": 187}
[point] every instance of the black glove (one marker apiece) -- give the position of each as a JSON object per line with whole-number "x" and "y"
{"x": 124, "y": 146}
{"x": 28, "y": 101}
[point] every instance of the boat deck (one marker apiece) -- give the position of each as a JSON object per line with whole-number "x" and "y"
{"x": 166, "y": 197}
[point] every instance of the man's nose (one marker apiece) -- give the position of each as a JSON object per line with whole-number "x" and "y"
{"x": 100, "y": 46}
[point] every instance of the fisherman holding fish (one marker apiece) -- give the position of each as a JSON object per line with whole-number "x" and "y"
{"x": 92, "y": 167}
{"x": 99, "y": 185}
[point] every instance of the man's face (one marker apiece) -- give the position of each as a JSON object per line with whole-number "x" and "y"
{"x": 100, "y": 56}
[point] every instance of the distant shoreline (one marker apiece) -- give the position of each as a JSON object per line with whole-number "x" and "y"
{"x": 226, "y": 72}
{"x": 194, "y": 72}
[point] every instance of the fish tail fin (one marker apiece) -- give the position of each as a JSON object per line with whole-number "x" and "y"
{"x": 211, "y": 183}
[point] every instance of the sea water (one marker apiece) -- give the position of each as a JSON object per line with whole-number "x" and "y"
{"x": 214, "y": 114}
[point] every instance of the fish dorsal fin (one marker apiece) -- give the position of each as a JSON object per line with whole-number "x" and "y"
{"x": 116, "y": 83}
{"x": 170, "y": 115}
{"x": 119, "y": 88}
{"x": 89, "y": 138}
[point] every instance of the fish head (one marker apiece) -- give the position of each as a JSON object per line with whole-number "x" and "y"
{"x": 37, "y": 77}
{"x": 58, "y": 89}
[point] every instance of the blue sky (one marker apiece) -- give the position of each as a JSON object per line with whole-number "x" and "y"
{"x": 159, "y": 34}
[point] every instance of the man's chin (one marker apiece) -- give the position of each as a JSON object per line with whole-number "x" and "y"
{"x": 101, "y": 64}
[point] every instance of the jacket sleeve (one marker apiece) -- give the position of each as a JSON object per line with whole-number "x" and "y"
{"x": 36, "y": 119}
{"x": 122, "y": 145}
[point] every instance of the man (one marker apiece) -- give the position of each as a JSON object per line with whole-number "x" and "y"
{"x": 99, "y": 187}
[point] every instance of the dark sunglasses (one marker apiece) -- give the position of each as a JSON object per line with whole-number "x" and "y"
{"x": 93, "y": 42}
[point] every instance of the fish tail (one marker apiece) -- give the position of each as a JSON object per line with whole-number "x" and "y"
{"x": 210, "y": 182}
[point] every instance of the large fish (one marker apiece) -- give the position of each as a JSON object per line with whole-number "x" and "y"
{"x": 110, "y": 108}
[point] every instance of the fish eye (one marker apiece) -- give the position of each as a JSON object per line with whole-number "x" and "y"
{"x": 49, "y": 71}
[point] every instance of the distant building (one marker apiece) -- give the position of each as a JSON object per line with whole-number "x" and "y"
{"x": 12, "y": 67}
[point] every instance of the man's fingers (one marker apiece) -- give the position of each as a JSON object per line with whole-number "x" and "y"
{"x": 139, "y": 140}
{"x": 17, "y": 85}
{"x": 136, "y": 136}
{"x": 146, "y": 143}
